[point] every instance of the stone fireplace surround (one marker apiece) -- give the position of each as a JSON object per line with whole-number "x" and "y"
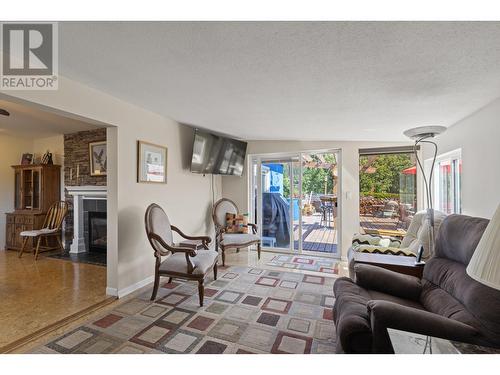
{"x": 84, "y": 197}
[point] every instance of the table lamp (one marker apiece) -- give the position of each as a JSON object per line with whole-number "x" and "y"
{"x": 484, "y": 265}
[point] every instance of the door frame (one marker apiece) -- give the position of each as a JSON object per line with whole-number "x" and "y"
{"x": 255, "y": 180}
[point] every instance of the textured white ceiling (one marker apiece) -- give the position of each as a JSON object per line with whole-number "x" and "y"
{"x": 29, "y": 122}
{"x": 292, "y": 80}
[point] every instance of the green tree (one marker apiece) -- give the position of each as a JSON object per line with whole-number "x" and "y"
{"x": 382, "y": 174}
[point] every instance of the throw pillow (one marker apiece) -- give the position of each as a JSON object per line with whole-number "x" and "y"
{"x": 236, "y": 223}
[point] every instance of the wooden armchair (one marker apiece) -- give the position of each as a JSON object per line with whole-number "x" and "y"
{"x": 181, "y": 262}
{"x": 225, "y": 240}
{"x": 52, "y": 227}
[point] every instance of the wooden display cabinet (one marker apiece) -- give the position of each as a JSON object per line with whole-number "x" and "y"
{"x": 36, "y": 188}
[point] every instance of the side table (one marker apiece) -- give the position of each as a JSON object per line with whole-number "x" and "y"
{"x": 400, "y": 264}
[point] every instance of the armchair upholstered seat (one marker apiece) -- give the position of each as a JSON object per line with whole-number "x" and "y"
{"x": 177, "y": 261}
{"x": 239, "y": 238}
{"x": 445, "y": 303}
{"x": 224, "y": 240}
{"x": 202, "y": 262}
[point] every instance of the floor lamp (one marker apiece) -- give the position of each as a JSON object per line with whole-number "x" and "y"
{"x": 421, "y": 135}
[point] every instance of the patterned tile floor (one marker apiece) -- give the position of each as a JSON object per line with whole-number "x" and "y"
{"x": 247, "y": 310}
{"x": 306, "y": 263}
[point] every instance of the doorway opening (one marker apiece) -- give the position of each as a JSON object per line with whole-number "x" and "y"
{"x": 46, "y": 161}
{"x": 294, "y": 200}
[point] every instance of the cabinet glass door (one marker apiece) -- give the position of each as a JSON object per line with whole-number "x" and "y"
{"x": 17, "y": 190}
{"x": 36, "y": 188}
{"x": 27, "y": 189}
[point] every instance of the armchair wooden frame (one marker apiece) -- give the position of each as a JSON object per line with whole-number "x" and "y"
{"x": 165, "y": 249}
{"x": 220, "y": 229}
{"x": 52, "y": 227}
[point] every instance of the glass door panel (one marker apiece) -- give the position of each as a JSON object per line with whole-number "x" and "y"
{"x": 36, "y": 189}
{"x": 275, "y": 195}
{"x": 320, "y": 186}
{"x": 27, "y": 189}
{"x": 297, "y": 204}
{"x": 18, "y": 190}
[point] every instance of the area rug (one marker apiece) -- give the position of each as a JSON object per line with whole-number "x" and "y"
{"x": 306, "y": 263}
{"x": 247, "y": 310}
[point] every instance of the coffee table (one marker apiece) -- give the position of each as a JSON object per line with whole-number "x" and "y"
{"x": 414, "y": 343}
{"x": 401, "y": 264}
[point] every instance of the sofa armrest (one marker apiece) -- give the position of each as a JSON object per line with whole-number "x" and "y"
{"x": 385, "y": 314}
{"x": 386, "y": 281}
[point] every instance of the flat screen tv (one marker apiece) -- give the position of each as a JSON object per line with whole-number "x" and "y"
{"x": 216, "y": 154}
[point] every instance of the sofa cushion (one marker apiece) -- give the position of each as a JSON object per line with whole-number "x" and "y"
{"x": 351, "y": 315}
{"x": 449, "y": 291}
{"x": 458, "y": 237}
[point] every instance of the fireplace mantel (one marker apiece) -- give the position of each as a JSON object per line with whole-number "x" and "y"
{"x": 88, "y": 191}
{"x": 80, "y": 193}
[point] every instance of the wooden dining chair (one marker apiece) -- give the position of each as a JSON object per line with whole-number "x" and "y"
{"x": 52, "y": 227}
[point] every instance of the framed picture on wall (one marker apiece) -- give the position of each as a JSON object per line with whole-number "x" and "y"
{"x": 151, "y": 163}
{"x": 98, "y": 158}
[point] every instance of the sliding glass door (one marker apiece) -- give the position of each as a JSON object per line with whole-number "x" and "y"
{"x": 295, "y": 202}
{"x": 279, "y": 207}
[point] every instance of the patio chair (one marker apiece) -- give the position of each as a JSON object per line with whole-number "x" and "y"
{"x": 225, "y": 240}
{"x": 180, "y": 262}
{"x": 390, "y": 210}
{"x": 405, "y": 216}
{"x": 51, "y": 228}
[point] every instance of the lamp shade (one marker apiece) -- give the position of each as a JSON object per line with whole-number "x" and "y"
{"x": 484, "y": 265}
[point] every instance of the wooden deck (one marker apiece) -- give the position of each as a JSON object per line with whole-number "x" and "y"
{"x": 380, "y": 223}
{"x": 316, "y": 237}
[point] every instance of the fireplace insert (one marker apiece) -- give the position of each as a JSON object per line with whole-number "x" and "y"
{"x": 97, "y": 231}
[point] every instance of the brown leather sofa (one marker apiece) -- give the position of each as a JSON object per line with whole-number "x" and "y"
{"x": 445, "y": 303}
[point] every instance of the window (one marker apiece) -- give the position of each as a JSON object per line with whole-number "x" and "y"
{"x": 387, "y": 189}
{"x": 447, "y": 182}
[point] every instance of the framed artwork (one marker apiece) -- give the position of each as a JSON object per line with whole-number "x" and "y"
{"x": 98, "y": 158}
{"x": 151, "y": 163}
{"x": 27, "y": 159}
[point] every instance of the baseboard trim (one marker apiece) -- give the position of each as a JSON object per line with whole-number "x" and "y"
{"x": 111, "y": 292}
{"x": 132, "y": 288}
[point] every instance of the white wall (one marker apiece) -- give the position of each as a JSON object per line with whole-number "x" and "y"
{"x": 478, "y": 135}
{"x": 54, "y": 144}
{"x": 236, "y": 188}
{"x": 186, "y": 197}
{"x": 11, "y": 150}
